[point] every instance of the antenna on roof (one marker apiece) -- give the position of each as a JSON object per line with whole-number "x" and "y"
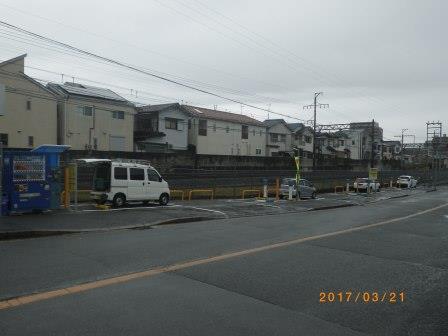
{"x": 62, "y": 80}
{"x": 73, "y": 79}
{"x": 215, "y": 107}
{"x": 241, "y": 108}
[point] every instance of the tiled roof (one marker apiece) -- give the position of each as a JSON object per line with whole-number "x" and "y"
{"x": 156, "y": 108}
{"x": 296, "y": 126}
{"x": 272, "y": 122}
{"x": 87, "y": 91}
{"x": 201, "y": 112}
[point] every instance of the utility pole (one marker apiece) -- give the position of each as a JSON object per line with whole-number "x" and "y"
{"x": 372, "y": 139}
{"x": 315, "y": 105}
{"x": 402, "y": 142}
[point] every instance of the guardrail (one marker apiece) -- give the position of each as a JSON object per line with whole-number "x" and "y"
{"x": 181, "y": 192}
{"x": 252, "y": 191}
{"x": 190, "y": 194}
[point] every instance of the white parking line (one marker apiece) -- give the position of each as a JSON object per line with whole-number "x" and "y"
{"x": 204, "y": 209}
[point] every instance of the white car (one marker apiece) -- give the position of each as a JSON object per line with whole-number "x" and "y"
{"x": 406, "y": 181}
{"x": 117, "y": 182}
{"x": 366, "y": 184}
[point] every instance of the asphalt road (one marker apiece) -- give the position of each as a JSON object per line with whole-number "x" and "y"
{"x": 240, "y": 276}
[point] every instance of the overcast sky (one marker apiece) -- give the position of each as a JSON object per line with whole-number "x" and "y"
{"x": 379, "y": 59}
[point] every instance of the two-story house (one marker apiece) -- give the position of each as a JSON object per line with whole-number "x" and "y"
{"x": 27, "y": 108}
{"x": 161, "y": 128}
{"x": 302, "y": 139}
{"x": 93, "y": 118}
{"x": 224, "y": 133}
{"x": 278, "y": 137}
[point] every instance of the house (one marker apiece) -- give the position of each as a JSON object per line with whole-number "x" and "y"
{"x": 93, "y": 118}
{"x": 333, "y": 145}
{"x": 223, "y": 133}
{"x": 302, "y": 139}
{"x": 361, "y": 134}
{"x": 161, "y": 128}
{"x": 278, "y": 137}
{"x": 27, "y": 108}
{"x": 391, "y": 150}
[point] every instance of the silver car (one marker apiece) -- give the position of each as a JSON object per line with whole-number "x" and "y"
{"x": 306, "y": 188}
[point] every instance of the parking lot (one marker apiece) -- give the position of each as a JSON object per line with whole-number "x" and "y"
{"x": 87, "y": 217}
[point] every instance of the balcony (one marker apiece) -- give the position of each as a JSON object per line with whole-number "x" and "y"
{"x": 147, "y": 134}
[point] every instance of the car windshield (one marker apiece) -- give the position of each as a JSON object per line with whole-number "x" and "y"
{"x": 362, "y": 180}
{"x": 405, "y": 178}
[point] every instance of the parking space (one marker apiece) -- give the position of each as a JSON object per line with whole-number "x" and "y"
{"x": 89, "y": 217}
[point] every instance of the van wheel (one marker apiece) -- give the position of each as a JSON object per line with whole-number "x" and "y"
{"x": 145, "y": 202}
{"x": 119, "y": 200}
{"x": 164, "y": 199}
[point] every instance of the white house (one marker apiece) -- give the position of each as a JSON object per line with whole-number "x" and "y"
{"x": 93, "y": 118}
{"x": 224, "y": 133}
{"x": 278, "y": 138}
{"x": 161, "y": 128}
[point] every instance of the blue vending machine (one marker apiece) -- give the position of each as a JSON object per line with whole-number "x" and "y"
{"x": 30, "y": 179}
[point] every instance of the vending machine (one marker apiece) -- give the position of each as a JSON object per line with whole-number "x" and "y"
{"x": 31, "y": 179}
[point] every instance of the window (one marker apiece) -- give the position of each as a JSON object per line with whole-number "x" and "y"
{"x": 353, "y": 142}
{"x": 282, "y": 137}
{"x": 245, "y": 132}
{"x": 274, "y": 137}
{"x": 118, "y": 115}
{"x": 137, "y": 174}
{"x": 253, "y": 132}
{"x": 171, "y": 123}
{"x": 189, "y": 123}
{"x": 120, "y": 173}
{"x": 341, "y": 142}
{"x": 28, "y": 105}
{"x": 298, "y": 137}
{"x": 31, "y": 141}
{"x": 307, "y": 139}
{"x": 153, "y": 175}
{"x": 202, "y": 127}
{"x": 85, "y": 110}
{"x": 4, "y": 139}
{"x": 258, "y": 151}
{"x": 227, "y": 129}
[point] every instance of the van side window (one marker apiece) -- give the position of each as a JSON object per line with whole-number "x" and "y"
{"x": 120, "y": 173}
{"x": 153, "y": 176}
{"x": 137, "y": 174}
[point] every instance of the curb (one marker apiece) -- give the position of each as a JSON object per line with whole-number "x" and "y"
{"x": 12, "y": 235}
{"x": 333, "y": 207}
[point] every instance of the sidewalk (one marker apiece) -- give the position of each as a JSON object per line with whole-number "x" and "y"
{"x": 90, "y": 219}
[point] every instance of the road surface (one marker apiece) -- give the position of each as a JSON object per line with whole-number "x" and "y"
{"x": 263, "y": 275}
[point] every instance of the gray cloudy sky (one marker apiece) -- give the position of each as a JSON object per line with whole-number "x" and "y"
{"x": 377, "y": 59}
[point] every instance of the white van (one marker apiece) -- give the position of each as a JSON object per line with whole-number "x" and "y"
{"x": 121, "y": 181}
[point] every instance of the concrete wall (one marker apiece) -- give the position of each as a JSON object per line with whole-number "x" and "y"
{"x": 40, "y": 121}
{"x": 224, "y": 138}
{"x": 273, "y": 147}
{"x": 76, "y": 127}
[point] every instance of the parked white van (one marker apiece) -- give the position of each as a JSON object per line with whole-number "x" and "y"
{"x": 118, "y": 181}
